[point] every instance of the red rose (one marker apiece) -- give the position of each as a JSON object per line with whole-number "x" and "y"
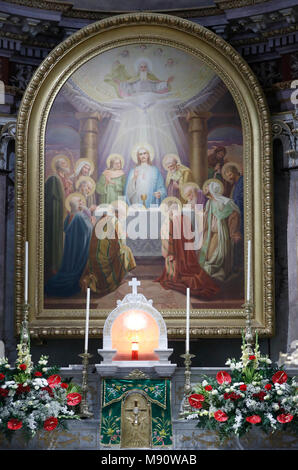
{"x": 73, "y": 399}
{"x": 208, "y": 388}
{"x": 284, "y": 418}
{"x": 279, "y": 377}
{"x": 50, "y": 423}
{"x": 268, "y": 387}
{"x": 195, "y": 400}
{"x": 2, "y": 376}
{"x": 54, "y": 380}
{"x": 220, "y": 416}
{"x": 3, "y": 392}
{"x": 223, "y": 377}
{"x": 21, "y": 389}
{"x": 232, "y": 396}
{"x": 243, "y": 387}
{"x": 252, "y": 357}
{"x": 14, "y": 424}
{"x": 37, "y": 374}
{"x": 63, "y": 385}
{"x": 254, "y": 419}
{"x": 22, "y": 366}
{"x": 49, "y": 390}
{"x": 260, "y": 395}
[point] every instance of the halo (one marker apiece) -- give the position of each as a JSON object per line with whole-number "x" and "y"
{"x": 226, "y": 165}
{"x": 120, "y": 205}
{"x": 86, "y": 178}
{"x": 113, "y": 155}
{"x": 70, "y": 196}
{"x": 164, "y": 205}
{"x": 80, "y": 161}
{"x": 170, "y": 155}
{"x": 141, "y": 146}
{"x": 190, "y": 184}
{"x": 211, "y": 180}
{"x": 57, "y": 157}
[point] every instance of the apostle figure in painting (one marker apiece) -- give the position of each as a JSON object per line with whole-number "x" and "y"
{"x": 85, "y": 185}
{"x": 221, "y": 232}
{"x": 193, "y": 195}
{"x": 53, "y": 229}
{"x": 216, "y": 160}
{"x": 109, "y": 258}
{"x": 145, "y": 184}
{"x": 57, "y": 187}
{"x": 77, "y": 228}
{"x": 195, "y": 203}
{"x": 232, "y": 174}
{"x": 83, "y": 167}
{"x": 61, "y": 166}
{"x": 181, "y": 268}
{"x": 177, "y": 175}
{"x": 111, "y": 183}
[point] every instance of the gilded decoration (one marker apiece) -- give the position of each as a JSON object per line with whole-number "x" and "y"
{"x": 66, "y": 60}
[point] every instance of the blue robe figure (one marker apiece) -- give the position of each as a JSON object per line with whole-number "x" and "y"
{"x": 237, "y": 196}
{"x": 142, "y": 182}
{"x": 78, "y": 230}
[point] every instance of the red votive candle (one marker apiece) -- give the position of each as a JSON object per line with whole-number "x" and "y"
{"x": 134, "y": 351}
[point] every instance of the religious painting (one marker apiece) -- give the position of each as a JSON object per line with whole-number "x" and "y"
{"x": 120, "y": 148}
{"x": 145, "y": 155}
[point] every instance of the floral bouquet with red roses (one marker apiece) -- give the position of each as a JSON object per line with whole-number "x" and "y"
{"x": 253, "y": 393}
{"x": 34, "y": 398}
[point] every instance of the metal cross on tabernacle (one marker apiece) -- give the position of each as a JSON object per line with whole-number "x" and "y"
{"x": 134, "y": 283}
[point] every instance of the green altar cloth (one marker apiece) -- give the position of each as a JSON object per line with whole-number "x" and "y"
{"x": 158, "y": 393}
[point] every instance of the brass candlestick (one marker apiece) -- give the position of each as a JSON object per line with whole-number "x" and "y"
{"x": 24, "y": 333}
{"x": 186, "y": 408}
{"x": 84, "y": 411}
{"x": 248, "y": 308}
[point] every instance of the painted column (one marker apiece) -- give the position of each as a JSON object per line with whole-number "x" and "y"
{"x": 198, "y": 157}
{"x": 89, "y": 135}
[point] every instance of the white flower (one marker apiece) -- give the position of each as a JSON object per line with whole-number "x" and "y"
{"x": 268, "y": 361}
{"x": 279, "y": 392}
{"x": 214, "y": 392}
{"x": 228, "y": 362}
{"x": 204, "y": 383}
{"x": 44, "y": 369}
{"x": 275, "y": 406}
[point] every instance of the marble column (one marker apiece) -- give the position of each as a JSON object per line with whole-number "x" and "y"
{"x": 198, "y": 132}
{"x": 292, "y": 234}
{"x": 89, "y": 135}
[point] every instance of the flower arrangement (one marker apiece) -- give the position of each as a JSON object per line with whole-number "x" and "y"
{"x": 253, "y": 393}
{"x": 34, "y": 398}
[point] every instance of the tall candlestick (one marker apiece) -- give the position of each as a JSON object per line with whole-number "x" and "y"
{"x": 248, "y": 271}
{"x": 187, "y": 319}
{"x": 26, "y": 274}
{"x": 87, "y": 319}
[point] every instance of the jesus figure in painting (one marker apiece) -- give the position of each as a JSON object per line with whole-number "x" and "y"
{"x": 145, "y": 183}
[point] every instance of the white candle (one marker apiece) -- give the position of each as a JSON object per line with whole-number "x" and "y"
{"x": 87, "y": 319}
{"x": 187, "y": 319}
{"x": 248, "y": 271}
{"x": 26, "y": 273}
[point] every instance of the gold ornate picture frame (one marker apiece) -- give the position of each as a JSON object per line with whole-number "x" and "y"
{"x": 107, "y": 47}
